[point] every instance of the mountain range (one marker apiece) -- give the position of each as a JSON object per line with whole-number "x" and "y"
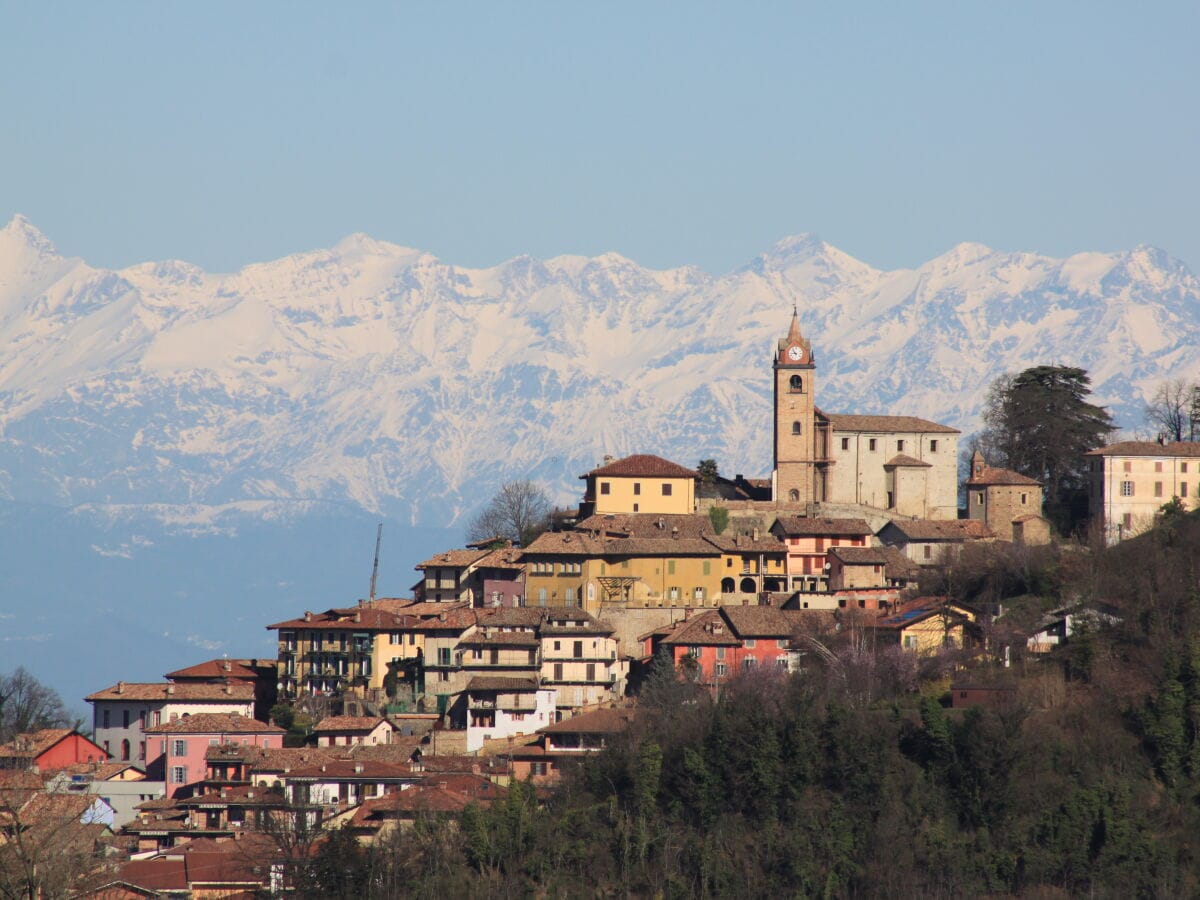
{"x": 379, "y": 378}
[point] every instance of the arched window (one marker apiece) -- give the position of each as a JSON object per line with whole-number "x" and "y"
{"x": 797, "y": 384}
{"x": 727, "y": 585}
{"x": 795, "y": 428}
{"x": 125, "y": 750}
{"x": 794, "y": 495}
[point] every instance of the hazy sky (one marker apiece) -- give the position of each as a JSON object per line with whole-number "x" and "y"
{"x": 226, "y": 133}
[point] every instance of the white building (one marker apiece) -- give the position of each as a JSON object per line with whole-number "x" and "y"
{"x": 1130, "y": 481}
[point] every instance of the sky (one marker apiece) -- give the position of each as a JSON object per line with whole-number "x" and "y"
{"x": 225, "y": 133}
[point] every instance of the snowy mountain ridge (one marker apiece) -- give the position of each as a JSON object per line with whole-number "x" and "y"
{"x": 380, "y": 377}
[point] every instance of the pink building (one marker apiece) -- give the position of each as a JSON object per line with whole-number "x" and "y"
{"x": 177, "y": 750}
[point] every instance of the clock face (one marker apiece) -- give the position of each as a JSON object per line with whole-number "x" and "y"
{"x": 795, "y": 354}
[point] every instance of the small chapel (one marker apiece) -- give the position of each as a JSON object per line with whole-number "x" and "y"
{"x": 903, "y": 465}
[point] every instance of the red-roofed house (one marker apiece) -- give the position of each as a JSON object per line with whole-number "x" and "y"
{"x": 999, "y": 497}
{"x": 717, "y": 644}
{"x": 334, "y": 730}
{"x": 177, "y": 749}
{"x": 49, "y": 749}
{"x": 809, "y": 539}
{"x": 642, "y": 483}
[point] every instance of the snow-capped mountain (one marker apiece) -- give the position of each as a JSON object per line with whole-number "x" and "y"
{"x": 379, "y": 376}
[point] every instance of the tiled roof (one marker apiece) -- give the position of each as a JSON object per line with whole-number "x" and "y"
{"x": 1149, "y": 448}
{"x": 592, "y": 627}
{"x": 399, "y": 751}
{"x": 690, "y": 525}
{"x": 501, "y": 683}
{"x": 104, "y": 771}
{"x": 564, "y": 543}
{"x": 460, "y": 619}
{"x": 993, "y": 475}
{"x": 420, "y": 798}
{"x": 215, "y": 723}
{"x": 942, "y": 529}
{"x": 512, "y": 617}
{"x": 214, "y": 669}
{"x": 347, "y": 723}
{"x": 758, "y": 621}
{"x": 659, "y": 547}
{"x": 33, "y": 744}
{"x": 453, "y": 559}
{"x": 643, "y": 464}
{"x": 453, "y": 763}
{"x": 904, "y": 461}
{"x": 860, "y": 556}
{"x": 502, "y": 558}
{"x": 365, "y": 617}
{"x": 740, "y": 543}
{"x": 899, "y": 566}
{"x": 707, "y": 629}
{"x": 336, "y": 769}
{"x": 192, "y": 693}
{"x": 271, "y": 759}
{"x": 820, "y": 526}
{"x": 917, "y": 610}
{"x": 887, "y": 424}
{"x": 609, "y": 720}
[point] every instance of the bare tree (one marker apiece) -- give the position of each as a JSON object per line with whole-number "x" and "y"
{"x": 27, "y": 705}
{"x": 519, "y": 512}
{"x": 1169, "y": 411}
{"x": 48, "y": 842}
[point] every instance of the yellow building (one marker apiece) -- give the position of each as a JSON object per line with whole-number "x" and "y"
{"x": 642, "y": 483}
{"x": 1130, "y": 481}
{"x": 925, "y": 627}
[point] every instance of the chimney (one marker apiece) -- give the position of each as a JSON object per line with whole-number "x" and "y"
{"x": 608, "y": 459}
{"x": 227, "y": 666}
{"x": 357, "y": 618}
{"x": 358, "y": 768}
{"x": 307, "y": 616}
{"x": 228, "y": 689}
{"x": 120, "y": 687}
{"x": 170, "y": 688}
{"x": 754, "y": 534}
{"x": 674, "y": 531}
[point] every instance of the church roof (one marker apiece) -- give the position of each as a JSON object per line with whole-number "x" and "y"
{"x": 643, "y": 464}
{"x": 886, "y": 424}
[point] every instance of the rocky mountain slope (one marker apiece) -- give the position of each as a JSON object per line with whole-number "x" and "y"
{"x": 380, "y": 377}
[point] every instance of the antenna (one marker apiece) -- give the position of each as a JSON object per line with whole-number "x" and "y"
{"x": 375, "y": 569}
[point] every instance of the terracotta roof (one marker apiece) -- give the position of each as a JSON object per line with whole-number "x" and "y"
{"x": 33, "y": 744}
{"x": 512, "y": 617}
{"x": 903, "y": 460}
{"x": 340, "y": 769}
{"x": 707, "y": 629}
{"x": 609, "y": 720}
{"x": 192, "y": 693}
{"x": 366, "y": 617}
{"x": 460, "y": 618}
{"x": 887, "y": 424}
{"x": 223, "y": 668}
{"x": 941, "y": 529}
{"x": 740, "y": 543}
{"x": 564, "y": 543}
{"x": 993, "y": 475}
{"x": 758, "y": 621}
{"x": 419, "y": 798}
{"x": 215, "y": 723}
{"x": 453, "y": 559}
{"x": 643, "y": 464}
{"x": 271, "y": 759}
{"x": 501, "y": 558}
{"x": 501, "y": 683}
{"x": 399, "y": 751}
{"x": 104, "y": 771}
{"x": 452, "y": 763}
{"x": 807, "y": 526}
{"x": 659, "y": 547}
{"x": 648, "y": 525}
{"x": 347, "y": 723}
{"x": 915, "y": 611}
{"x": 474, "y": 787}
{"x": 592, "y": 627}
{"x": 1149, "y": 448}
{"x": 860, "y": 556}
{"x": 899, "y": 566}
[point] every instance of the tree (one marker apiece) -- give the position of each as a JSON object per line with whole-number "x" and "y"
{"x": 519, "y": 512}
{"x": 1170, "y": 411}
{"x": 707, "y": 470}
{"x": 1040, "y": 423}
{"x": 719, "y": 516}
{"x": 27, "y": 705}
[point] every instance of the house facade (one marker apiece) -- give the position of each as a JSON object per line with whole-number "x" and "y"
{"x": 642, "y": 483}
{"x": 177, "y": 750}
{"x": 1001, "y": 498}
{"x": 1130, "y": 481}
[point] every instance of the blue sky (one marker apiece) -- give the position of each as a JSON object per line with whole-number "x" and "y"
{"x": 225, "y": 133}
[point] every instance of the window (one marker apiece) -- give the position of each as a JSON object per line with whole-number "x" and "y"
{"x": 106, "y": 718}
{"x": 1183, "y": 468}
{"x": 900, "y": 446}
{"x": 213, "y": 742}
{"x": 933, "y": 446}
{"x": 927, "y": 551}
{"x": 871, "y": 444}
{"x": 781, "y": 662}
{"x": 141, "y": 749}
{"x": 125, "y": 749}
{"x": 845, "y": 443}
{"x": 1024, "y": 499}
{"x": 1126, "y": 488}
{"x": 605, "y": 487}
{"x": 666, "y": 490}
{"x": 178, "y": 748}
{"x": 178, "y": 774}
{"x": 707, "y": 566}
{"x": 1158, "y": 489}
{"x": 749, "y": 663}
{"x": 891, "y": 500}
{"x": 1128, "y": 466}
{"x": 698, "y": 594}
{"x": 670, "y": 567}
{"x": 781, "y": 643}
{"x": 796, "y": 384}
{"x": 721, "y": 669}
{"x": 537, "y": 768}
{"x": 558, "y": 645}
{"x": 125, "y": 720}
{"x": 569, "y": 596}
{"x": 1158, "y": 467}
{"x": 672, "y": 593}
{"x": 635, "y": 507}
{"x": 796, "y": 428}
{"x": 720, "y": 653}
{"x": 590, "y": 674}
{"x": 558, "y": 671}
{"x": 1183, "y": 489}
{"x": 106, "y": 753}
{"x": 637, "y": 489}
{"x": 578, "y": 649}
{"x": 749, "y": 643}
{"x": 1127, "y": 521}
{"x": 443, "y": 656}
{"x": 541, "y": 596}
{"x": 910, "y": 642}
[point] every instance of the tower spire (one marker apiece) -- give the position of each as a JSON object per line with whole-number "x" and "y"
{"x": 794, "y": 335}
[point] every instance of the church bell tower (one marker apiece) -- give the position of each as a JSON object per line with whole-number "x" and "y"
{"x": 794, "y": 477}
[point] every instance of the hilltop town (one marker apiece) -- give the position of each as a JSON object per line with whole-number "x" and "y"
{"x": 509, "y": 664}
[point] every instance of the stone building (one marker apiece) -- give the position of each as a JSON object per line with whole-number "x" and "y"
{"x": 1000, "y": 497}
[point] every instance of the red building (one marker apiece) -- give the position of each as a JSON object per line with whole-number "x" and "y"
{"x": 719, "y": 643}
{"x": 49, "y": 749}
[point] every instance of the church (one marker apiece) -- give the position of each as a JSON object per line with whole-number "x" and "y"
{"x": 899, "y": 464}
